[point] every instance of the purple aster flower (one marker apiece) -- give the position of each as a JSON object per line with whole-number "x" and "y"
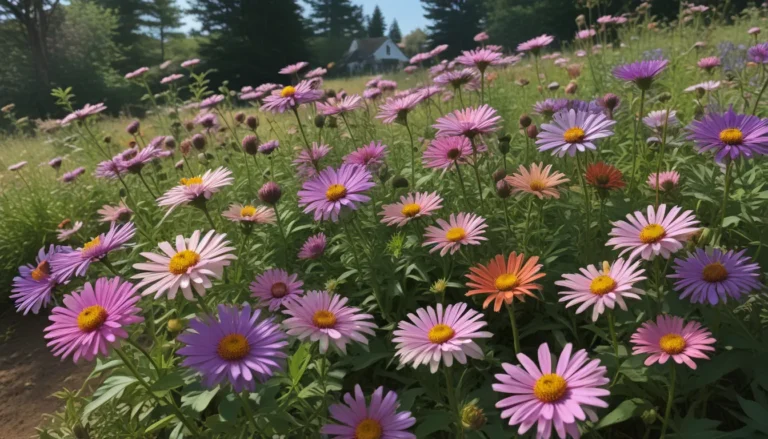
{"x": 480, "y": 59}
{"x": 33, "y": 286}
{"x": 209, "y": 121}
{"x": 111, "y": 169}
{"x": 236, "y": 346}
{"x": 17, "y": 166}
{"x": 110, "y": 214}
{"x": 290, "y": 97}
{"x": 458, "y": 78}
{"x": 333, "y": 189}
{"x": 171, "y": 78}
{"x": 428, "y": 91}
{"x": 371, "y": 156}
{"x": 276, "y": 287}
{"x": 267, "y": 148}
{"x": 371, "y": 93}
{"x": 550, "y": 106}
{"x": 144, "y": 156}
{"x": 211, "y": 101}
{"x": 572, "y": 131}
{"x": 316, "y": 73}
{"x": 268, "y": 87}
{"x": 76, "y": 262}
{"x": 410, "y": 69}
{"x": 307, "y": 163}
{"x": 137, "y": 73}
{"x": 397, "y": 109}
{"x": 585, "y": 34}
{"x": 759, "y": 53}
{"x": 314, "y": 247}
{"x": 468, "y": 122}
{"x": 657, "y": 119}
{"x": 536, "y": 44}
{"x": 292, "y": 69}
{"x": 730, "y": 135}
{"x": 379, "y": 420}
{"x": 83, "y": 113}
{"x": 420, "y": 57}
{"x": 71, "y": 176}
{"x": 714, "y": 276}
{"x": 340, "y": 106}
{"x": 55, "y": 163}
{"x": 642, "y": 73}
{"x": 190, "y": 63}
{"x": 386, "y": 85}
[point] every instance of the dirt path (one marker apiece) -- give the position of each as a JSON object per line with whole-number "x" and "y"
{"x": 29, "y": 374}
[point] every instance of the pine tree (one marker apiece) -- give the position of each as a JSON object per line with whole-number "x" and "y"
{"x": 127, "y": 35}
{"x": 250, "y": 40}
{"x": 162, "y": 17}
{"x": 376, "y": 26}
{"x": 394, "y": 32}
{"x": 336, "y": 18}
{"x": 454, "y": 23}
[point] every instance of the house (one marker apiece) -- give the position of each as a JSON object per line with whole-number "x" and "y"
{"x": 374, "y": 55}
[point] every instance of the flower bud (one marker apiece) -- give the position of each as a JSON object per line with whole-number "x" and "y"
{"x": 498, "y": 175}
{"x": 503, "y": 189}
{"x": 198, "y": 141}
{"x": 239, "y": 117}
{"x": 665, "y": 97}
{"x": 532, "y": 131}
{"x": 522, "y": 82}
{"x": 330, "y": 93}
{"x": 170, "y": 142}
{"x": 175, "y": 325}
{"x": 571, "y": 88}
{"x": 504, "y": 144}
{"x": 581, "y": 19}
{"x": 179, "y": 164}
{"x": 439, "y": 286}
{"x": 472, "y": 417}
{"x": 553, "y": 86}
{"x": 251, "y": 144}
{"x": 133, "y": 127}
{"x": 319, "y": 121}
{"x": 185, "y": 146}
{"x": 270, "y": 193}
{"x": 399, "y": 182}
{"x": 525, "y": 121}
{"x": 610, "y": 101}
{"x": 107, "y": 139}
{"x": 649, "y": 417}
{"x": 189, "y": 126}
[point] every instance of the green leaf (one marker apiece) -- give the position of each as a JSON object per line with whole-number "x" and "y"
{"x": 160, "y": 424}
{"x": 168, "y": 382}
{"x": 199, "y": 399}
{"x": 298, "y": 362}
{"x": 111, "y": 388}
{"x": 434, "y": 421}
{"x": 626, "y": 410}
{"x": 757, "y": 413}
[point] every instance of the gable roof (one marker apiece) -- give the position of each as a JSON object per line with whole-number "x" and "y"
{"x": 367, "y": 46}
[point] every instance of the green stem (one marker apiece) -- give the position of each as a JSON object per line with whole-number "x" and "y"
{"x": 634, "y": 142}
{"x": 615, "y": 343}
{"x": 760, "y": 95}
{"x": 587, "y": 205}
{"x": 141, "y": 177}
{"x": 349, "y": 130}
{"x": 726, "y": 189}
{"x": 451, "y": 390}
{"x": 670, "y": 399}
{"x": 282, "y": 235}
{"x": 249, "y": 413}
{"x": 303, "y": 134}
{"x": 413, "y": 156}
{"x": 144, "y": 352}
{"x": 513, "y": 322}
{"x": 661, "y": 155}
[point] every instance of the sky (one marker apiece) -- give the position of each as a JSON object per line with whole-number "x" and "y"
{"x": 409, "y": 13}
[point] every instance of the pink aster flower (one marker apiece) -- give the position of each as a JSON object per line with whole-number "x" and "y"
{"x": 92, "y": 321}
{"x": 17, "y": 166}
{"x": 601, "y": 289}
{"x": 379, "y": 420}
{"x": 705, "y": 86}
{"x": 275, "y": 287}
{"x": 71, "y": 176}
{"x": 709, "y": 63}
{"x": 110, "y": 169}
{"x": 535, "y": 45}
{"x": 212, "y": 101}
{"x": 458, "y": 78}
{"x": 333, "y": 189}
{"x": 190, "y": 63}
{"x": 371, "y": 156}
{"x": 415, "y": 205}
{"x": 552, "y": 397}
{"x": 290, "y": 97}
{"x": 313, "y": 247}
{"x": 235, "y": 346}
{"x": 480, "y": 59}
{"x": 371, "y": 93}
{"x": 76, "y": 262}
{"x": 189, "y": 265}
{"x": 658, "y": 233}
{"x": 308, "y": 161}
{"x": 33, "y": 287}
{"x": 248, "y": 214}
{"x": 293, "y": 69}
{"x": 55, "y": 163}
{"x": 133, "y": 161}
{"x": 585, "y": 34}
{"x": 196, "y": 189}
{"x": 444, "y": 152}
{"x": 325, "y": 317}
{"x": 482, "y": 36}
{"x": 538, "y": 181}
{"x": 461, "y": 229}
{"x": 64, "y": 233}
{"x": 573, "y": 131}
{"x": 397, "y": 109}
{"x": 468, "y": 122}
{"x": 432, "y": 336}
{"x": 420, "y": 57}
{"x": 410, "y": 69}
{"x": 115, "y": 214}
{"x": 670, "y": 337}
{"x": 171, "y": 78}
{"x": 753, "y": 30}
{"x": 438, "y": 50}
{"x": 137, "y": 73}
{"x": 83, "y": 113}
{"x": 316, "y": 73}
{"x": 668, "y": 180}
{"x": 345, "y": 105}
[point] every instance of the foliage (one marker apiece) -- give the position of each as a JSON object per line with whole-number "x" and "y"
{"x": 376, "y": 24}
{"x": 415, "y": 42}
{"x": 454, "y": 23}
{"x": 394, "y": 32}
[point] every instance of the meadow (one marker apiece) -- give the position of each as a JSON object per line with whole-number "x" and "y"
{"x": 560, "y": 239}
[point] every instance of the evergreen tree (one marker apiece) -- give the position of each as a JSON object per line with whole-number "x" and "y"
{"x": 162, "y": 17}
{"x": 127, "y": 35}
{"x": 394, "y": 32}
{"x": 454, "y": 22}
{"x": 250, "y": 40}
{"x": 336, "y": 18}
{"x": 376, "y": 26}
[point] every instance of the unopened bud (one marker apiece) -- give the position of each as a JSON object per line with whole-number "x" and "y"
{"x": 170, "y": 142}
{"x": 499, "y": 174}
{"x": 439, "y": 286}
{"x": 664, "y": 97}
{"x": 133, "y": 127}
{"x": 270, "y": 193}
{"x": 331, "y": 121}
{"x": 553, "y": 86}
{"x": 649, "y": 417}
{"x": 189, "y": 126}
{"x": 532, "y": 131}
{"x": 251, "y": 144}
{"x": 175, "y": 325}
{"x": 503, "y": 189}
{"x": 198, "y": 141}
{"x": 107, "y": 139}
{"x": 252, "y": 122}
{"x": 399, "y": 182}
{"x": 472, "y": 417}
{"x": 610, "y": 101}
{"x": 571, "y": 88}
{"x": 319, "y": 121}
{"x": 239, "y": 117}
{"x": 185, "y": 146}
{"x": 525, "y": 120}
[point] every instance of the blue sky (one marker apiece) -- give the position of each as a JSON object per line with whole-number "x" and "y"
{"x": 409, "y": 13}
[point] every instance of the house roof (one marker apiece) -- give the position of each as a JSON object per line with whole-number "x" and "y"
{"x": 366, "y": 47}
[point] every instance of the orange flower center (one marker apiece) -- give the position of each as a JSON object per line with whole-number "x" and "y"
{"x": 440, "y": 333}
{"x": 574, "y": 135}
{"x": 335, "y": 192}
{"x": 455, "y": 234}
{"x": 288, "y": 92}
{"x": 506, "y": 282}
{"x": 324, "y": 319}
{"x": 92, "y": 243}
{"x": 411, "y": 210}
{"x": 672, "y": 344}
{"x": 278, "y": 290}
{"x": 91, "y": 318}
{"x": 191, "y": 181}
{"x": 42, "y": 271}
{"x": 714, "y": 272}
{"x": 602, "y": 285}
{"x": 652, "y": 233}
{"x": 550, "y": 387}
{"x": 181, "y": 261}
{"x": 233, "y": 347}
{"x": 248, "y": 211}
{"x": 731, "y": 136}
{"x": 538, "y": 185}
{"x": 368, "y": 429}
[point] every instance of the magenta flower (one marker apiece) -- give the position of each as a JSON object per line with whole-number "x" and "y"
{"x": 325, "y": 317}
{"x": 585, "y": 34}
{"x": 196, "y": 189}
{"x": 397, "y": 109}
{"x": 269, "y": 147}
{"x": 709, "y": 63}
{"x": 63, "y": 233}
{"x": 482, "y": 36}
{"x": 308, "y": 161}
{"x": 76, "y": 262}
{"x": 438, "y": 50}
{"x": 642, "y": 73}
{"x": 142, "y": 157}
{"x": 468, "y": 122}
{"x": 480, "y": 58}
{"x": 190, "y": 63}
{"x": 535, "y": 45}
{"x": 432, "y": 336}
{"x": 458, "y": 78}
{"x": 211, "y": 101}
{"x": 548, "y": 107}
{"x": 137, "y": 73}
{"x": 669, "y": 337}
{"x": 371, "y": 93}
{"x": 93, "y": 320}
{"x": 573, "y": 131}
{"x": 753, "y": 30}
{"x": 658, "y": 233}
{"x": 55, "y": 163}
{"x": 371, "y": 156}
{"x": 235, "y": 347}
{"x": 410, "y": 69}
{"x": 461, "y": 229}
{"x": 713, "y": 276}
{"x": 444, "y": 152}
{"x": 293, "y": 69}
{"x": 345, "y": 105}
{"x": 71, "y": 176}
{"x": 291, "y": 98}
{"x": 33, "y": 287}
{"x": 111, "y": 169}
{"x": 316, "y": 73}
{"x": 332, "y": 189}
{"x": 171, "y": 78}
{"x": 115, "y": 214}
{"x": 276, "y": 287}
{"x": 420, "y": 58}
{"x": 379, "y": 420}
{"x": 313, "y": 247}
{"x": 83, "y": 113}
{"x": 415, "y": 205}
{"x": 730, "y": 135}
{"x": 548, "y": 396}
{"x": 759, "y": 53}
{"x": 668, "y": 180}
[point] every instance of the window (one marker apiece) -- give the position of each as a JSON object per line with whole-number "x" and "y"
{"x": 389, "y": 51}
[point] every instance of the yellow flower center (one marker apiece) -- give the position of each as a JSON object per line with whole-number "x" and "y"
{"x": 731, "y": 136}
{"x": 652, "y": 233}
{"x": 368, "y": 429}
{"x": 440, "y": 333}
{"x": 91, "y": 318}
{"x": 715, "y": 272}
{"x": 672, "y": 344}
{"x": 42, "y": 271}
{"x": 181, "y": 261}
{"x": 248, "y": 211}
{"x": 335, "y": 192}
{"x": 506, "y": 282}
{"x": 288, "y": 91}
{"x": 92, "y": 243}
{"x": 278, "y": 290}
{"x": 602, "y": 285}
{"x": 574, "y": 135}
{"x": 455, "y": 234}
{"x": 233, "y": 347}
{"x": 324, "y": 319}
{"x": 550, "y": 387}
{"x": 538, "y": 185}
{"x": 191, "y": 181}
{"x": 411, "y": 210}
